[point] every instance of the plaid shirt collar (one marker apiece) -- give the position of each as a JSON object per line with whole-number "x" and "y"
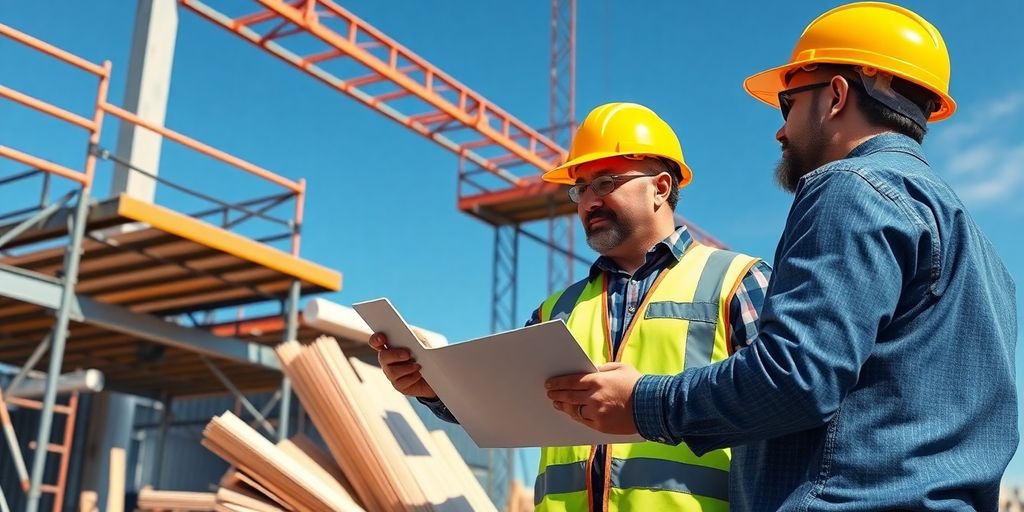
{"x": 675, "y": 245}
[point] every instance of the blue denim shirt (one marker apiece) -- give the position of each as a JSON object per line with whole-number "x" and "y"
{"x": 883, "y": 373}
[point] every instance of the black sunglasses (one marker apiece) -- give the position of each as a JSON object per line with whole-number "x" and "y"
{"x": 786, "y": 97}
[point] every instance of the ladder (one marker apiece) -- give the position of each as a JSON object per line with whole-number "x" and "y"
{"x": 63, "y": 448}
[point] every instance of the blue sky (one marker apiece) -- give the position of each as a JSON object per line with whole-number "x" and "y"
{"x": 381, "y": 205}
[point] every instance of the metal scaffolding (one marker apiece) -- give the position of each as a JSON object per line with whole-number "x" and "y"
{"x": 114, "y": 291}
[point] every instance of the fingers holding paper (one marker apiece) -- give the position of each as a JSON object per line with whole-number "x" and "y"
{"x": 401, "y": 369}
{"x": 602, "y": 401}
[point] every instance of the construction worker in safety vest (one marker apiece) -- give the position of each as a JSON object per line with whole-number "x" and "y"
{"x": 882, "y": 376}
{"x": 655, "y": 301}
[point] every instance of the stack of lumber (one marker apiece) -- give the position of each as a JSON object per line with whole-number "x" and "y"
{"x": 331, "y": 394}
{"x": 433, "y": 459}
{"x": 373, "y": 433}
{"x": 287, "y": 479}
{"x": 382, "y": 458}
{"x": 175, "y": 501}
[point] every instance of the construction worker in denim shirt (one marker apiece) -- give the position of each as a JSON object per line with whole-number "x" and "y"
{"x": 655, "y": 300}
{"x": 883, "y": 373}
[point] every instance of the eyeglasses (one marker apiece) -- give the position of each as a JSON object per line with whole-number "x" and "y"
{"x": 602, "y": 185}
{"x": 786, "y": 97}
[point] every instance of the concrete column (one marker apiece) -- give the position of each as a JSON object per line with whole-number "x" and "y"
{"x": 146, "y": 92}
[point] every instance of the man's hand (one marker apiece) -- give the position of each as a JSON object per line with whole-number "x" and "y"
{"x": 400, "y": 368}
{"x": 602, "y": 401}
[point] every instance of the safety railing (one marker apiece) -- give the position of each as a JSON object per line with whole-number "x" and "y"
{"x": 84, "y": 177}
{"x": 93, "y": 125}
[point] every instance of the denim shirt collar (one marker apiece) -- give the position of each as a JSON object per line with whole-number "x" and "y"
{"x": 888, "y": 141}
{"x": 674, "y": 244}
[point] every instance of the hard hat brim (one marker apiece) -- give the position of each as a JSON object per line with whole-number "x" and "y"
{"x": 766, "y": 85}
{"x": 563, "y": 173}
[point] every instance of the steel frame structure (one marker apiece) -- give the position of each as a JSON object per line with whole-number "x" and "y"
{"x": 58, "y": 294}
{"x": 500, "y": 158}
{"x": 561, "y": 127}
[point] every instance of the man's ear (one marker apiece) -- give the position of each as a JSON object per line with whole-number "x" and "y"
{"x": 840, "y": 89}
{"x": 663, "y": 187}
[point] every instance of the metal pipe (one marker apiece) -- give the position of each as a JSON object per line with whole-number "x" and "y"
{"x": 33, "y": 359}
{"x": 200, "y": 147}
{"x": 165, "y": 421}
{"x": 3, "y": 502}
{"x": 88, "y": 381}
{"x": 291, "y": 330}
{"x": 49, "y": 49}
{"x": 107, "y": 155}
{"x": 44, "y": 165}
{"x": 12, "y": 442}
{"x": 60, "y": 333}
{"x": 238, "y": 394}
{"x": 24, "y": 225}
{"x": 20, "y": 176}
{"x": 44, "y": 107}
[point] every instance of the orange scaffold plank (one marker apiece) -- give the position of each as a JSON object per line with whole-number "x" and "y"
{"x": 444, "y": 105}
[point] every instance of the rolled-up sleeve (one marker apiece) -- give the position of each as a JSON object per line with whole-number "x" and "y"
{"x": 837, "y": 279}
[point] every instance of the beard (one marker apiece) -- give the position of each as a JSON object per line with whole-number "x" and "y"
{"x": 799, "y": 159}
{"x": 612, "y": 234}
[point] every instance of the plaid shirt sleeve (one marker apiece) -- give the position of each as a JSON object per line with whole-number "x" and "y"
{"x": 440, "y": 410}
{"x": 745, "y": 307}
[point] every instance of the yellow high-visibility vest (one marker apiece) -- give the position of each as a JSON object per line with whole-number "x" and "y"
{"x": 682, "y": 323}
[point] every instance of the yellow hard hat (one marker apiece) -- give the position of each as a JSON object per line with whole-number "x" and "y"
{"x": 621, "y": 129}
{"x": 877, "y": 35}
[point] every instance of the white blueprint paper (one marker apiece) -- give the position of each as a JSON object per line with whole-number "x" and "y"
{"x": 495, "y": 385}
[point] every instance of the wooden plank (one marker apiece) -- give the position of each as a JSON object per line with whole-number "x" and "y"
{"x": 303, "y": 450}
{"x": 116, "y": 480}
{"x": 430, "y": 465}
{"x": 330, "y": 392}
{"x": 233, "y": 440}
{"x": 458, "y": 469}
{"x": 151, "y": 500}
{"x": 88, "y": 501}
{"x": 240, "y": 500}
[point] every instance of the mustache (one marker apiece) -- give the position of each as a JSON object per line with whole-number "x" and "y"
{"x": 599, "y": 214}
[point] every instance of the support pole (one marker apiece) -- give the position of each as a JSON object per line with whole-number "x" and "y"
{"x": 33, "y": 360}
{"x": 291, "y": 331}
{"x": 12, "y": 443}
{"x": 165, "y": 421}
{"x": 241, "y": 398}
{"x": 60, "y": 333}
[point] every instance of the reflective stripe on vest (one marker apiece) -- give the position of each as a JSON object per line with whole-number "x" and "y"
{"x": 696, "y": 291}
{"x": 652, "y": 474}
{"x": 709, "y": 289}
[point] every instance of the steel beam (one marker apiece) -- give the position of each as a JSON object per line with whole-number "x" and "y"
{"x": 43, "y": 291}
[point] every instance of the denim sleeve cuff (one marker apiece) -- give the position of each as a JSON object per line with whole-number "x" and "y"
{"x": 440, "y": 410}
{"x": 649, "y": 408}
